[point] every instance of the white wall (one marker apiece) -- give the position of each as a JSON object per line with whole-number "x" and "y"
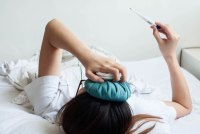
{"x": 105, "y": 23}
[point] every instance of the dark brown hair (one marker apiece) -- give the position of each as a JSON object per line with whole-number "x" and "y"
{"x": 85, "y": 114}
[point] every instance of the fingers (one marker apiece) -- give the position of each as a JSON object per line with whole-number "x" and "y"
{"x": 157, "y": 35}
{"x": 116, "y": 70}
{"x": 123, "y": 72}
{"x": 104, "y": 65}
{"x": 93, "y": 76}
{"x": 165, "y": 29}
{"x": 168, "y": 31}
{"x": 111, "y": 70}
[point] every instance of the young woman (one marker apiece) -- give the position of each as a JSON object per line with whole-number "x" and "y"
{"x": 85, "y": 114}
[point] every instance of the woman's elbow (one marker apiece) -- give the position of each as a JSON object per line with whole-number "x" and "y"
{"x": 51, "y": 24}
{"x": 189, "y": 109}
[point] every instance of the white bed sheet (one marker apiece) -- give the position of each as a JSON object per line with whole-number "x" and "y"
{"x": 15, "y": 119}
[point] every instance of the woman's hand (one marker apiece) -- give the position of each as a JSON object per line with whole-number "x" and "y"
{"x": 181, "y": 99}
{"x": 167, "y": 45}
{"x": 97, "y": 63}
{"x": 57, "y": 37}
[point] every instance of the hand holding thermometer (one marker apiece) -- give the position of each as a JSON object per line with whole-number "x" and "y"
{"x": 152, "y": 23}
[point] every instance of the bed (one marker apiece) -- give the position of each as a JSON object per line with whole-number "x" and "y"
{"x": 16, "y": 119}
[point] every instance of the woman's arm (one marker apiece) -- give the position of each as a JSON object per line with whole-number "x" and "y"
{"x": 58, "y": 37}
{"x": 181, "y": 99}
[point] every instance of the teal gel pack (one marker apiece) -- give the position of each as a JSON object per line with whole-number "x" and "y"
{"x": 108, "y": 90}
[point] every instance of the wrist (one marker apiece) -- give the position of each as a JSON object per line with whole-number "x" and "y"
{"x": 172, "y": 60}
{"x": 85, "y": 56}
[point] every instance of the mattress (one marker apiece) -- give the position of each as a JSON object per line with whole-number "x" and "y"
{"x": 15, "y": 119}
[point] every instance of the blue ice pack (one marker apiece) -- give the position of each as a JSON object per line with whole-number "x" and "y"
{"x": 108, "y": 90}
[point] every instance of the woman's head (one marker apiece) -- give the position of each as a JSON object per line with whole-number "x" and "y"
{"x": 102, "y": 109}
{"x": 85, "y": 114}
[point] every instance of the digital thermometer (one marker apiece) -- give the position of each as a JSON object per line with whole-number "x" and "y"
{"x": 152, "y": 23}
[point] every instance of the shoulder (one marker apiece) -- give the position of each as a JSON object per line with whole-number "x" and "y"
{"x": 151, "y": 107}
{"x": 48, "y": 94}
{"x": 140, "y": 105}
